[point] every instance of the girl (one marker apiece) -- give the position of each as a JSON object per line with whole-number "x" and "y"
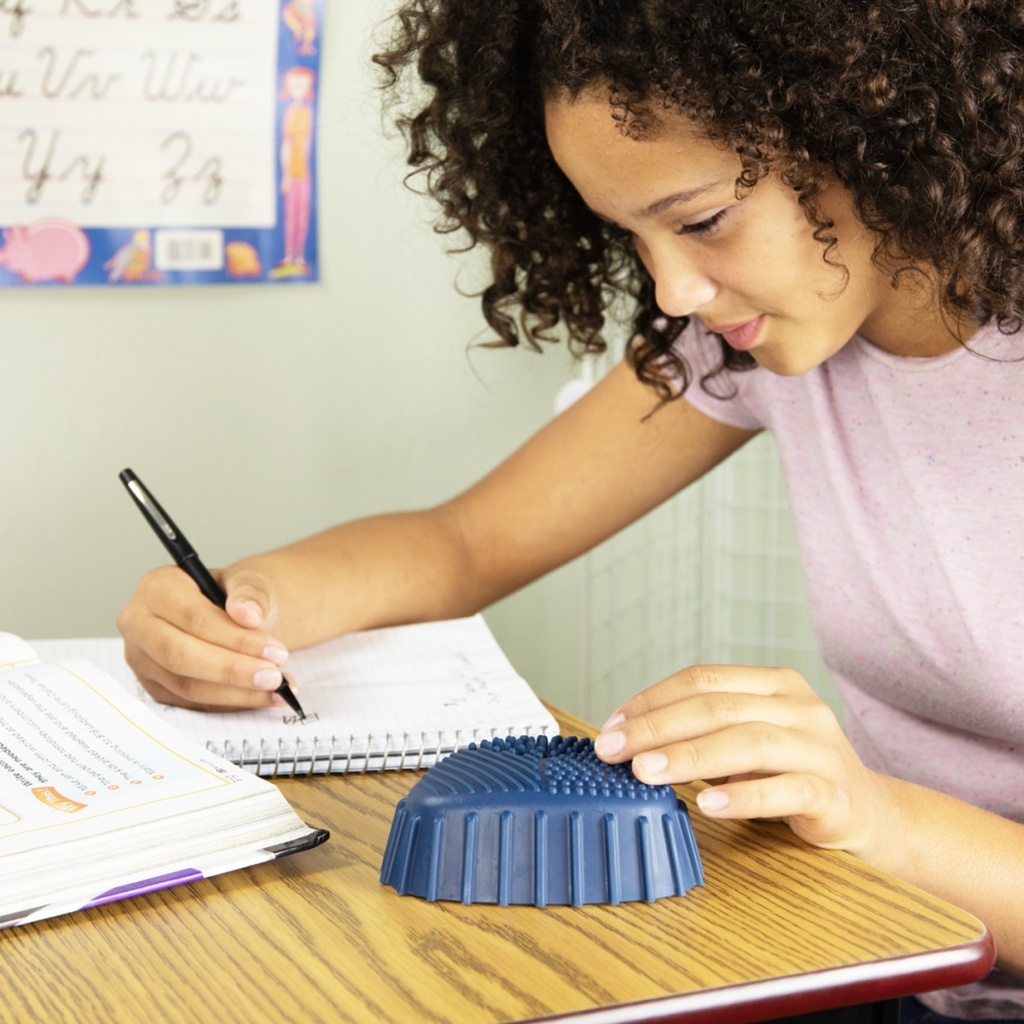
{"x": 816, "y": 209}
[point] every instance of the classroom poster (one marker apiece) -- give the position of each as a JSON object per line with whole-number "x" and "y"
{"x": 158, "y": 142}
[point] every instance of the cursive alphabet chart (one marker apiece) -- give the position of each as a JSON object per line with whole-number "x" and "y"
{"x": 147, "y": 142}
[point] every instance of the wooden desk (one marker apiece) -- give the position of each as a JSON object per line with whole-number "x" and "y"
{"x": 778, "y": 929}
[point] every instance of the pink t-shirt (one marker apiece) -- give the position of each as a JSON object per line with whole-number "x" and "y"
{"x": 906, "y": 481}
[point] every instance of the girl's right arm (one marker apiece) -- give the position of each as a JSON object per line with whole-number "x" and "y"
{"x": 611, "y": 457}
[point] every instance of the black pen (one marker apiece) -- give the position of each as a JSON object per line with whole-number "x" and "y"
{"x": 186, "y": 558}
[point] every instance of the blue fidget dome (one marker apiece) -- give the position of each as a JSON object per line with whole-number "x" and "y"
{"x": 539, "y": 821}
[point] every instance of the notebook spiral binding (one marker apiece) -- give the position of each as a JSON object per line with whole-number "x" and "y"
{"x": 341, "y": 755}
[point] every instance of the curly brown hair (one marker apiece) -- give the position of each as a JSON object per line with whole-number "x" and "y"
{"x": 915, "y": 106}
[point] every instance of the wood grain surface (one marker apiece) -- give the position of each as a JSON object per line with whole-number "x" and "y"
{"x": 778, "y": 928}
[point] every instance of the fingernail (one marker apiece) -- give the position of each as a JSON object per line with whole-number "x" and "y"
{"x": 710, "y": 800}
{"x": 267, "y": 679}
{"x": 650, "y": 764}
{"x": 617, "y": 719}
{"x": 608, "y": 744}
{"x": 275, "y": 653}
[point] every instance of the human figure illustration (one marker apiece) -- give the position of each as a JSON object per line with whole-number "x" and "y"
{"x": 297, "y": 89}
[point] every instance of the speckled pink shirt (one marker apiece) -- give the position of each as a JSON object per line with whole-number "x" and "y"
{"x": 906, "y": 481}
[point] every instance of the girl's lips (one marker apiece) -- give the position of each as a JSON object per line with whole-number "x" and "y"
{"x": 741, "y": 336}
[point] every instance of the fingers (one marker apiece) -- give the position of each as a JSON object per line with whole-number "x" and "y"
{"x": 198, "y": 695}
{"x": 784, "y": 796}
{"x": 715, "y": 679}
{"x": 690, "y": 707}
{"x": 187, "y": 651}
{"x": 770, "y": 745}
{"x": 817, "y": 807}
{"x": 751, "y": 749}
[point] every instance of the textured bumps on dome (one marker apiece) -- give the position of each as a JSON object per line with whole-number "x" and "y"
{"x": 533, "y": 820}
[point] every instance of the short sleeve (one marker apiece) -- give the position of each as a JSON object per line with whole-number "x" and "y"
{"x": 718, "y": 393}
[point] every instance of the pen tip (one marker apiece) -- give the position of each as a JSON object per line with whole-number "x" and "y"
{"x": 286, "y": 691}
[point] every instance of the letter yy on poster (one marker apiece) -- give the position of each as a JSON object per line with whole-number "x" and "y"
{"x": 158, "y": 142}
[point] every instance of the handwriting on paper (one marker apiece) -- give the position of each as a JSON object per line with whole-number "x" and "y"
{"x": 120, "y": 112}
{"x": 300, "y": 719}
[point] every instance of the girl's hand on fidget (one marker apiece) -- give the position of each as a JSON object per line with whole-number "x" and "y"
{"x": 185, "y": 650}
{"x": 769, "y": 746}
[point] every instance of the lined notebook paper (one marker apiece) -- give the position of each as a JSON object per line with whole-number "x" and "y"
{"x": 399, "y": 697}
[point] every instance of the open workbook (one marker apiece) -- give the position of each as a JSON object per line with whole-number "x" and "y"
{"x": 398, "y": 697}
{"x": 100, "y": 799}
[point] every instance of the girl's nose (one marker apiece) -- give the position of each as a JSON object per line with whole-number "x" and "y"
{"x": 680, "y": 288}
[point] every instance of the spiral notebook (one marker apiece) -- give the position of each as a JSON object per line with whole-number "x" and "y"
{"x": 398, "y": 697}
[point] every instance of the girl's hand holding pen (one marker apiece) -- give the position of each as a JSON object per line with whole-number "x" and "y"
{"x": 769, "y": 746}
{"x": 246, "y": 609}
{"x": 185, "y": 650}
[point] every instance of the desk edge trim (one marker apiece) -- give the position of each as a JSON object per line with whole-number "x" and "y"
{"x": 794, "y": 994}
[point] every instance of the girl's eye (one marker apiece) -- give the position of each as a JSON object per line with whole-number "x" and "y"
{"x": 704, "y": 227}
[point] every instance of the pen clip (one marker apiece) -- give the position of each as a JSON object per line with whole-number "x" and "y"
{"x": 149, "y": 506}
